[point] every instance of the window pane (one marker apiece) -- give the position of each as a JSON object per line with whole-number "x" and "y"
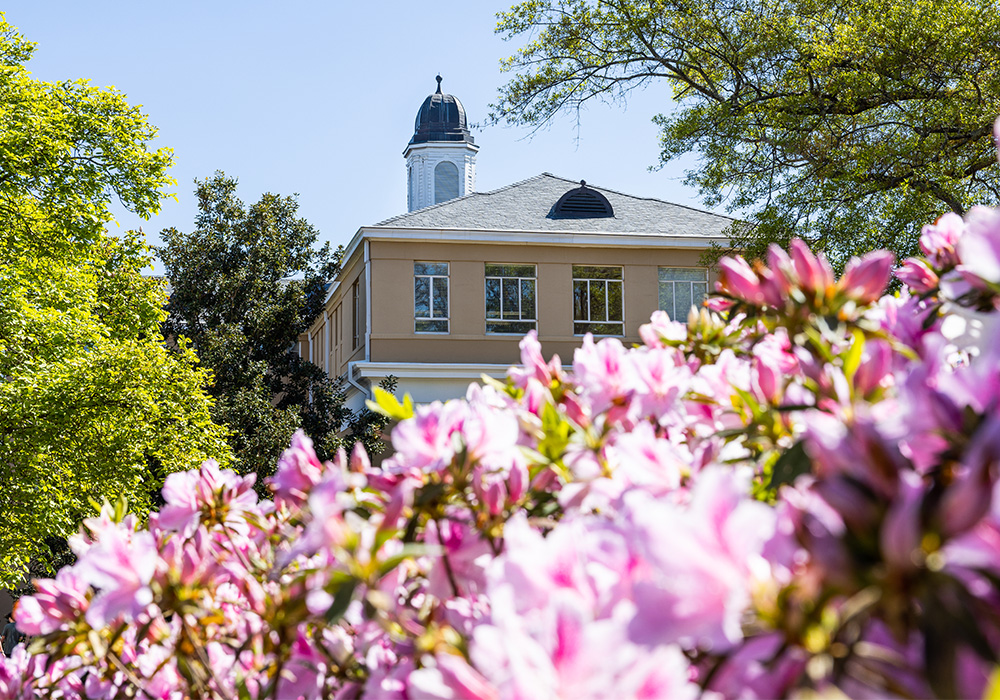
{"x": 511, "y": 300}
{"x": 432, "y": 326}
{"x": 528, "y": 299}
{"x": 445, "y": 182}
{"x": 684, "y": 300}
{"x": 615, "y": 302}
{"x": 667, "y": 298}
{"x": 519, "y": 327}
{"x": 492, "y": 298}
{"x": 440, "y": 297}
{"x": 423, "y": 268}
{"x": 597, "y": 273}
{"x": 495, "y": 270}
{"x": 682, "y": 274}
{"x": 421, "y": 296}
{"x": 598, "y": 301}
{"x": 581, "y": 311}
{"x": 598, "y": 328}
{"x": 700, "y": 292}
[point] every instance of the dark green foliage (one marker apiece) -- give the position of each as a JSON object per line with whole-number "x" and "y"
{"x": 246, "y": 283}
{"x": 850, "y": 123}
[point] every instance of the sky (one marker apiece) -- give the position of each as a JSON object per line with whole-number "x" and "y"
{"x": 318, "y": 98}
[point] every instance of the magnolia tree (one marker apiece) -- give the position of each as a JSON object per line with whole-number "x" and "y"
{"x": 794, "y": 493}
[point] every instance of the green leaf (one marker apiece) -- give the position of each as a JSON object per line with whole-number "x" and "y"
{"x": 852, "y": 358}
{"x": 341, "y": 600}
{"x": 792, "y": 463}
{"x": 389, "y": 406}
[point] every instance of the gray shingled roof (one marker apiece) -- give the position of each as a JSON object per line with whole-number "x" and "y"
{"x": 527, "y": 206}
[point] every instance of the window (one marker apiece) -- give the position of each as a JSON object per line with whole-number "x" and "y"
{"x": 430, "y": 297}
{"x": 680, "y": 289}
{"x": 597, "y": 300}
{"x": 445, "y": 181}
{"x": 356, "y": 315}
{"x": 510, "y": 298}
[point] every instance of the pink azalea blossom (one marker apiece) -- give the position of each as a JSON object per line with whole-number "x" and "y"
{"x": 121, "y": 565}
{"x": 865, "y": 278}
{"x": 694, "y": 584}
{"x": 917, "y": 275}
{"x": 938, "y": 240}
{"x": 56, "y": 603}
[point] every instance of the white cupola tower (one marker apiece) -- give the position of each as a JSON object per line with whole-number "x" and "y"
{"x": 441, "y": 156}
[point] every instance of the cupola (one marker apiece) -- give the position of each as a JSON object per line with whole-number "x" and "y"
{"x": 441, "y": 155}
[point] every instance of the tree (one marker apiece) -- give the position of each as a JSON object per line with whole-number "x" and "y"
{"x": 245, "y": 283}
{"x": 849, "y": 123}
{"x": 93, "y": 405}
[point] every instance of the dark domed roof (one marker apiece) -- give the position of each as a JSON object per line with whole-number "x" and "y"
{"x": 441, "y": 118}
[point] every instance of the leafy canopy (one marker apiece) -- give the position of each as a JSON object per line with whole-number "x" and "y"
{"x": 846, "y": 122}
{"x": 93, "y": 406}
{"x": 246, "y": 282}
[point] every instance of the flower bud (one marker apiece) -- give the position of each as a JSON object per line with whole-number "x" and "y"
{"x": 917, "y": 275}
{"x": 865, "y": 278}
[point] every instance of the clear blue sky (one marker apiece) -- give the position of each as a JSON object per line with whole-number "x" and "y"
{"x": 318, "y": 98}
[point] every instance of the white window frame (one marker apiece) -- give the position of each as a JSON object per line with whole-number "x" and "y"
{"x": 430, "y": 298}
{"x": 597, "y": 281}
{"x": 520, "y": 299}
{"x": 694, "y": 297}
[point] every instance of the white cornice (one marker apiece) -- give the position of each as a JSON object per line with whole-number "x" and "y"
{"x": 428, "y": 370}
{"x": 568, "y": 239}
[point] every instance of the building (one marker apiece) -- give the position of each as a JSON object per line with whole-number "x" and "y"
{"x": 441, "y": 295}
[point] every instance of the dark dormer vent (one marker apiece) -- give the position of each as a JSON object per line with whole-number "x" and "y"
{"x": 582, "y": 203}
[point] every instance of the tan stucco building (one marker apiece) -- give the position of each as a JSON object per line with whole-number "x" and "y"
{"x": 441, "y": 295}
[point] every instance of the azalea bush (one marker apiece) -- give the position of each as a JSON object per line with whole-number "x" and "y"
{"x": 793, "y": 493}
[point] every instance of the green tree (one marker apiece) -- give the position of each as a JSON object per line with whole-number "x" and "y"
{"x": 245, "y": 283}
{"x": 92, "y": 403}
{"x": 846, "y": 122}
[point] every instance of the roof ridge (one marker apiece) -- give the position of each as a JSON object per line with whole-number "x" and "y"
{"x": 458, "y": 199}
{"x": 645, "y": 199}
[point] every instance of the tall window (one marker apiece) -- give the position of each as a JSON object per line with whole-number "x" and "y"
{"x": 430, "y": 297}
{"x": 680, "y": 289}
{"x": 598, "y": 305}
{"x": 510, "y": 298}
{"x": 445, "y": 181}
{"x": 356, "y": 314}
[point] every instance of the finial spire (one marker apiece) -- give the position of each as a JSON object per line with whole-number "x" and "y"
{"x": 438, "y": 78}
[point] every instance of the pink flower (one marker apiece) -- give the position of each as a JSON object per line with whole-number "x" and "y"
{"x": 534, "y": 365}
{"x": 814, "y": 273}
{"x": 737, "y": 279}
{"x": 303, "y": 674}
{"x": 917, "y": 275}
{"x": 603, "y": 372}
{"x": 468, "y": 554}
{"x": 121, "y": 564}
{"x": 644, "y": 460}
{"x": 772, "y": 365}
{"x": 660, "y": 381}
{"x": 660, "y": 328}
{"x": 298, "y": 470}
{"x": 865, "y": 278}
{"x": 218, "y": 495}
{"x": 56, "y": 604}
{"x": 424, "y": 441}
{"x": 938, "y": 240}
{"x": 449, "y": 677}
{"x": 694, "y": 583}
{"x": 979, "y": 247}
